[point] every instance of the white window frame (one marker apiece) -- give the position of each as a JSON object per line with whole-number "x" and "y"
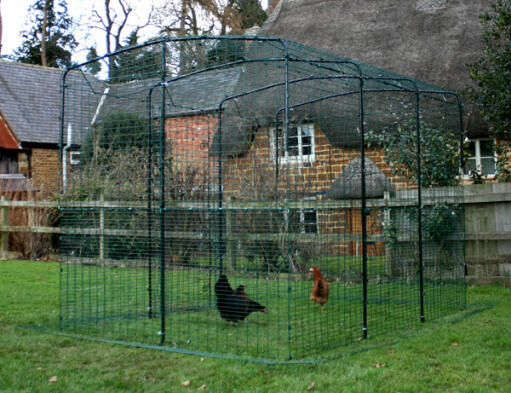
{"x": 477, "y": 144}
{"x": 300, "y": 158}
{"x": 302, "y": 220}
{"x": 74, "y": 157}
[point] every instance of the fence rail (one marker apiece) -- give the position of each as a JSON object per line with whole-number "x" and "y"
{"x": 391, "y": 200}
{"x": 488, "y": 243}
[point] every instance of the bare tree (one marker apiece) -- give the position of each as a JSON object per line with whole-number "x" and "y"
{"x": 195, "y": 17}
{"x": 113, "y": 19}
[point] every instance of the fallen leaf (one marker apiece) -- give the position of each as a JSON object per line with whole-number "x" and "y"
{"x": 358, "y": 339}
{"x": 378, "y": 365}
{"x": 311, "y": 385}
{"x": 39, "y": 368}
{"x": 53, "y": 379}
{"x": 455, "y": 343}
{"x": 185, "y": 383}
{"x": 202, "y": 387}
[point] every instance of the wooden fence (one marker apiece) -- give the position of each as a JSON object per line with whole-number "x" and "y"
{"x": 487, "y": 223}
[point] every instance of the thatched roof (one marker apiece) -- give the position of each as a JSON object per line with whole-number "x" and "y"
{"x": 430, "y": 40}
{"x": 194, "y": 93}
{"x": 349, "y": 186}
{"x": 259, "y": 97}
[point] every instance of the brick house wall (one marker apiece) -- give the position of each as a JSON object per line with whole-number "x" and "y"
{"x": 192, "y": 136}
{"x": 254, "y": 172}
{"x": 309, "y": 178}
{"x": 45, "y": 169}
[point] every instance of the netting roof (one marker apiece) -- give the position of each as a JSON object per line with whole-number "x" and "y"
{"x": 267, "y": 79}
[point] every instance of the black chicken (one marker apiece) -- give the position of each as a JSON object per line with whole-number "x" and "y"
{"x": 233, "y": 305}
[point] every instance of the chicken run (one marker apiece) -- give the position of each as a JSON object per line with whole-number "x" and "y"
{"x": 324, "y": 190}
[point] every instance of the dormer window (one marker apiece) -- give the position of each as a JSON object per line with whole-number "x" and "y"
{"x": 298, "y": 146}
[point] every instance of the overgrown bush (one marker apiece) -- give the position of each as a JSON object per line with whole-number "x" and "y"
{"x": 33, "y": 245}
{"x": 492, "y": 72}
{"x": 440, "y": 149}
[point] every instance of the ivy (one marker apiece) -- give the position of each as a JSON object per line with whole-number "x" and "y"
{"x": 492, "y": 73}
{"x": 439, "y": 149}
{"x": 439, "y": 167}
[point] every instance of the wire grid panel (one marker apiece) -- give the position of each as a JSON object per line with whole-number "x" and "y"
{"x": 214, "y": 173}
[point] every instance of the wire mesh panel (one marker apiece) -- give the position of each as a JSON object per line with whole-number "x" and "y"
{"x": 254, "y": 198}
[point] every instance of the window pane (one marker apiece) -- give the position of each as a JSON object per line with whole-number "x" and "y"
{"x": 310, "y": 222}
{"x": 306, "y": 132}
{"x": 488, "y": 166}
{"x": 277, "y": 138}
{"x": 292, "y": 142}
{"x": 470, "y": 166}
{"x": 486, "y": 148}
{"x": 307, "y": 129}
{"x": 307, "y": 148}
{"x": 294, "y": 222}
{"x": 471, "y": 149}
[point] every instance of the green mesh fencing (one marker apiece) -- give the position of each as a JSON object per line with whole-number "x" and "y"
{"x": 203, "y": 178}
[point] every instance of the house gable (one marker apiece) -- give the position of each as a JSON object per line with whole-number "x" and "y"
{"x": 8, "y": 139}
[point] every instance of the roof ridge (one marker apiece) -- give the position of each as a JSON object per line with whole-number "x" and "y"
{"x": 37, "y": 66}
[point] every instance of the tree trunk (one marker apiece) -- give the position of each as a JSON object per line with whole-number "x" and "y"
{"x": 44, "y": 34}
{"x": 0, "y": 27}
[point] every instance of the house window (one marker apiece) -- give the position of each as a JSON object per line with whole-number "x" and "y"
{"x": 481, "y": 157}
{"x": 302, "y": 221}
{"x": 8, "y": 161}
{"x": 74, "y": 158}
{"x": 298, "y": 146}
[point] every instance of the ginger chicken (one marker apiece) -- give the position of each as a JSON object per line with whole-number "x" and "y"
{"x": 320, "y": 288}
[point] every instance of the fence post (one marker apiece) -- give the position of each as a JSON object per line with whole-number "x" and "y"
{"x": 4, "y": 234}
{"x": 102, "y": 230}
{"x": 230, "y": 219}
{"x": 386, "y": 228}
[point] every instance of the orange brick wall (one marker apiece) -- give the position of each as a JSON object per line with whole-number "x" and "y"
{"x": 45, "y": 168}
{"x": 309, "y": 178}
{"x": 252, "y": 175}
{"x": 192, "y": 136}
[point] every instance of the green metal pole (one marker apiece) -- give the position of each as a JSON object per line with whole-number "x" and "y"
{"x": 419, "y": 207}
{"x": 162, "y": 200}
{"x": 364, "y": 208}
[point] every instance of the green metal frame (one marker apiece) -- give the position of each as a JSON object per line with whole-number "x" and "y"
{"x": 293, "y": 58}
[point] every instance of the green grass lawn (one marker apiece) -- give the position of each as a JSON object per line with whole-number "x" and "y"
{"x": 111, "y": 303}
{"x": 466, "y": 352}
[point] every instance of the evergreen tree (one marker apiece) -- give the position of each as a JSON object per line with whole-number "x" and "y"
{"x": 95, "y": 67}
{"x": 226, "y": 51}
{"x": 492, "y": 73}
{"x": 49, "y": 41}
{"x": 137, "y": 64}
{"x": 250, "y": 13}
